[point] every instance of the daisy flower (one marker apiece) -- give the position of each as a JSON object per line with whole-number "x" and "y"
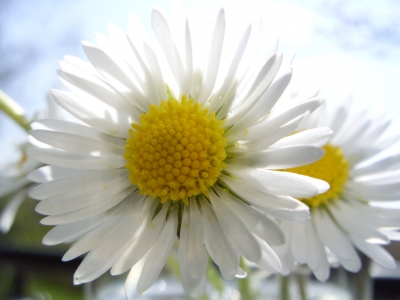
{"x": 346, "y": 218}
{"x": 179, "y": 140}
{"x": 14, "y": 184}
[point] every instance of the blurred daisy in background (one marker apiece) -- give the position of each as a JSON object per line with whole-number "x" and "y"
{"x": 347, "y": 217}
{"x": 14, "y": 187}
{"x": 179, "y": 140}
{"x": 14, "y": 184}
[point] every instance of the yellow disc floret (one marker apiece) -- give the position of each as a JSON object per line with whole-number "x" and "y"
{"x": 176, "y": 151}
{"x": 332, "y": 168}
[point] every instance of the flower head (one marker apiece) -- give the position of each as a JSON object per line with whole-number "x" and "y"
{"x": 346, "y": 218}
{"x": 174, "y": 147}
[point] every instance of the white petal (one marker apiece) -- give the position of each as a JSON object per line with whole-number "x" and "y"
{"x": 350, "y": 126}
{"x": 96, "y": 237}
{"x": 81, "y": 198}
{"x": 287, "y": 261}
{"x": 194, "y": 287}
{"x": 379, "y": 180}
{"x": 80, "y": 63}
{"x": 103, "y": 118}
{"x": 298, "y": 242}
{"x": 132, "y": 280}
{"x": 142, "y": 243}
{"x": 220, "y": 249}
{"x": 281, "y": 158}
{"x": 332, "y": 236}
{"x": 283, "y": 251}
{"x": 192, "y": 254}
{"x": 260, "y": 86}
{"x": 257, "y": 222}
{"x": 93, "y": 88}
{"x": 322, "y": 272}
{"x": 77, "y": 143}
{"x": 351, "y": 265}
{"x": 277, "y": 119}
{"x": 189, "y": 60}
{"x": 317, "y": 137}
{"x": 230, "y": 75}
{"x": 283, "y": 183}
{"x": 214, "y": 56}
{"x": 80, "y": 180}
{"x": 192, "y": 242}
{"x": 154, "y": 66}
{"x": 158, "y": 254}
{"x": 67, "y": 232}
{"x": 269, "y": 260}
{"x": 150, "y": 86}
{"x": 9, "y": 211}
{"x": 236, "y": 231}
{"x": 269, "y": 203}
{"x": 337, "y": 117}
{"x": 80, "y": 214}
{"x": 106, "y": 66}
{"x": 266, "y": 101}
{"x": 75, "y": 128}
{"x": 268, "y": 139}
{"x": 162, "y": 32}
{"x": 78, "y": 161}
{"x": 389, "y": 191}
{"x": 136, "y": 30}
{"x": 97, "y": 270}
{"x": 110, "y": 249}
{"x": 317, "y": 257}
{"x": 49, "y": 173}
{"x": 375, "y": 252}
{"x": 352, "y": 219}
{"x": 350, "y": 140}
{"x": 255, "y": 59}
{"x": 11, "y": 185}
{"x": 84, "y": 85}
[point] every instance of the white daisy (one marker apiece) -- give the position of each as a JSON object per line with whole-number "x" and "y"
{"x": 344, "y": 219}
{"x": 14, "y": 184}
{"x": 174, "y": 147}
{"x": 14, "y": 188}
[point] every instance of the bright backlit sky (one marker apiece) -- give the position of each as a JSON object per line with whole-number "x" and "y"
{"x": 341, "y": 47}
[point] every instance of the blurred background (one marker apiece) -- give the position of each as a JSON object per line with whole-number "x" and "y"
{"x": 343, "y": 47}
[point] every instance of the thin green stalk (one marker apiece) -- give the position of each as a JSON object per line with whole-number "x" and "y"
{"x": 13, "y": 110}
{"x": 214, "y": 277}
{"x": 173, "y": 266}
{"x": 284, "y": 292}
{"x": 361, "y": 282}
{"x": 301, "y": 282}
{"x": 245, "y": 289}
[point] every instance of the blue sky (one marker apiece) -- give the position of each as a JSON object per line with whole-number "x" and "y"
{"x": 338, "y": 56}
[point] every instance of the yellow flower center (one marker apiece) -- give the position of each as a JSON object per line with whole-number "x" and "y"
{"x": 332, "y": 168}
{"x": 176, "y": 151}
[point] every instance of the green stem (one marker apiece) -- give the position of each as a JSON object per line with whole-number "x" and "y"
{"x": 285, "y": 295}
{"x": 301, "y": 282}
{"x": 214, "y": 277}
{"x": 361, "y": 286}
{"x": 13, "y": 110}
{"x": 244, "y": 283}
{"x": 173, "y": 266}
